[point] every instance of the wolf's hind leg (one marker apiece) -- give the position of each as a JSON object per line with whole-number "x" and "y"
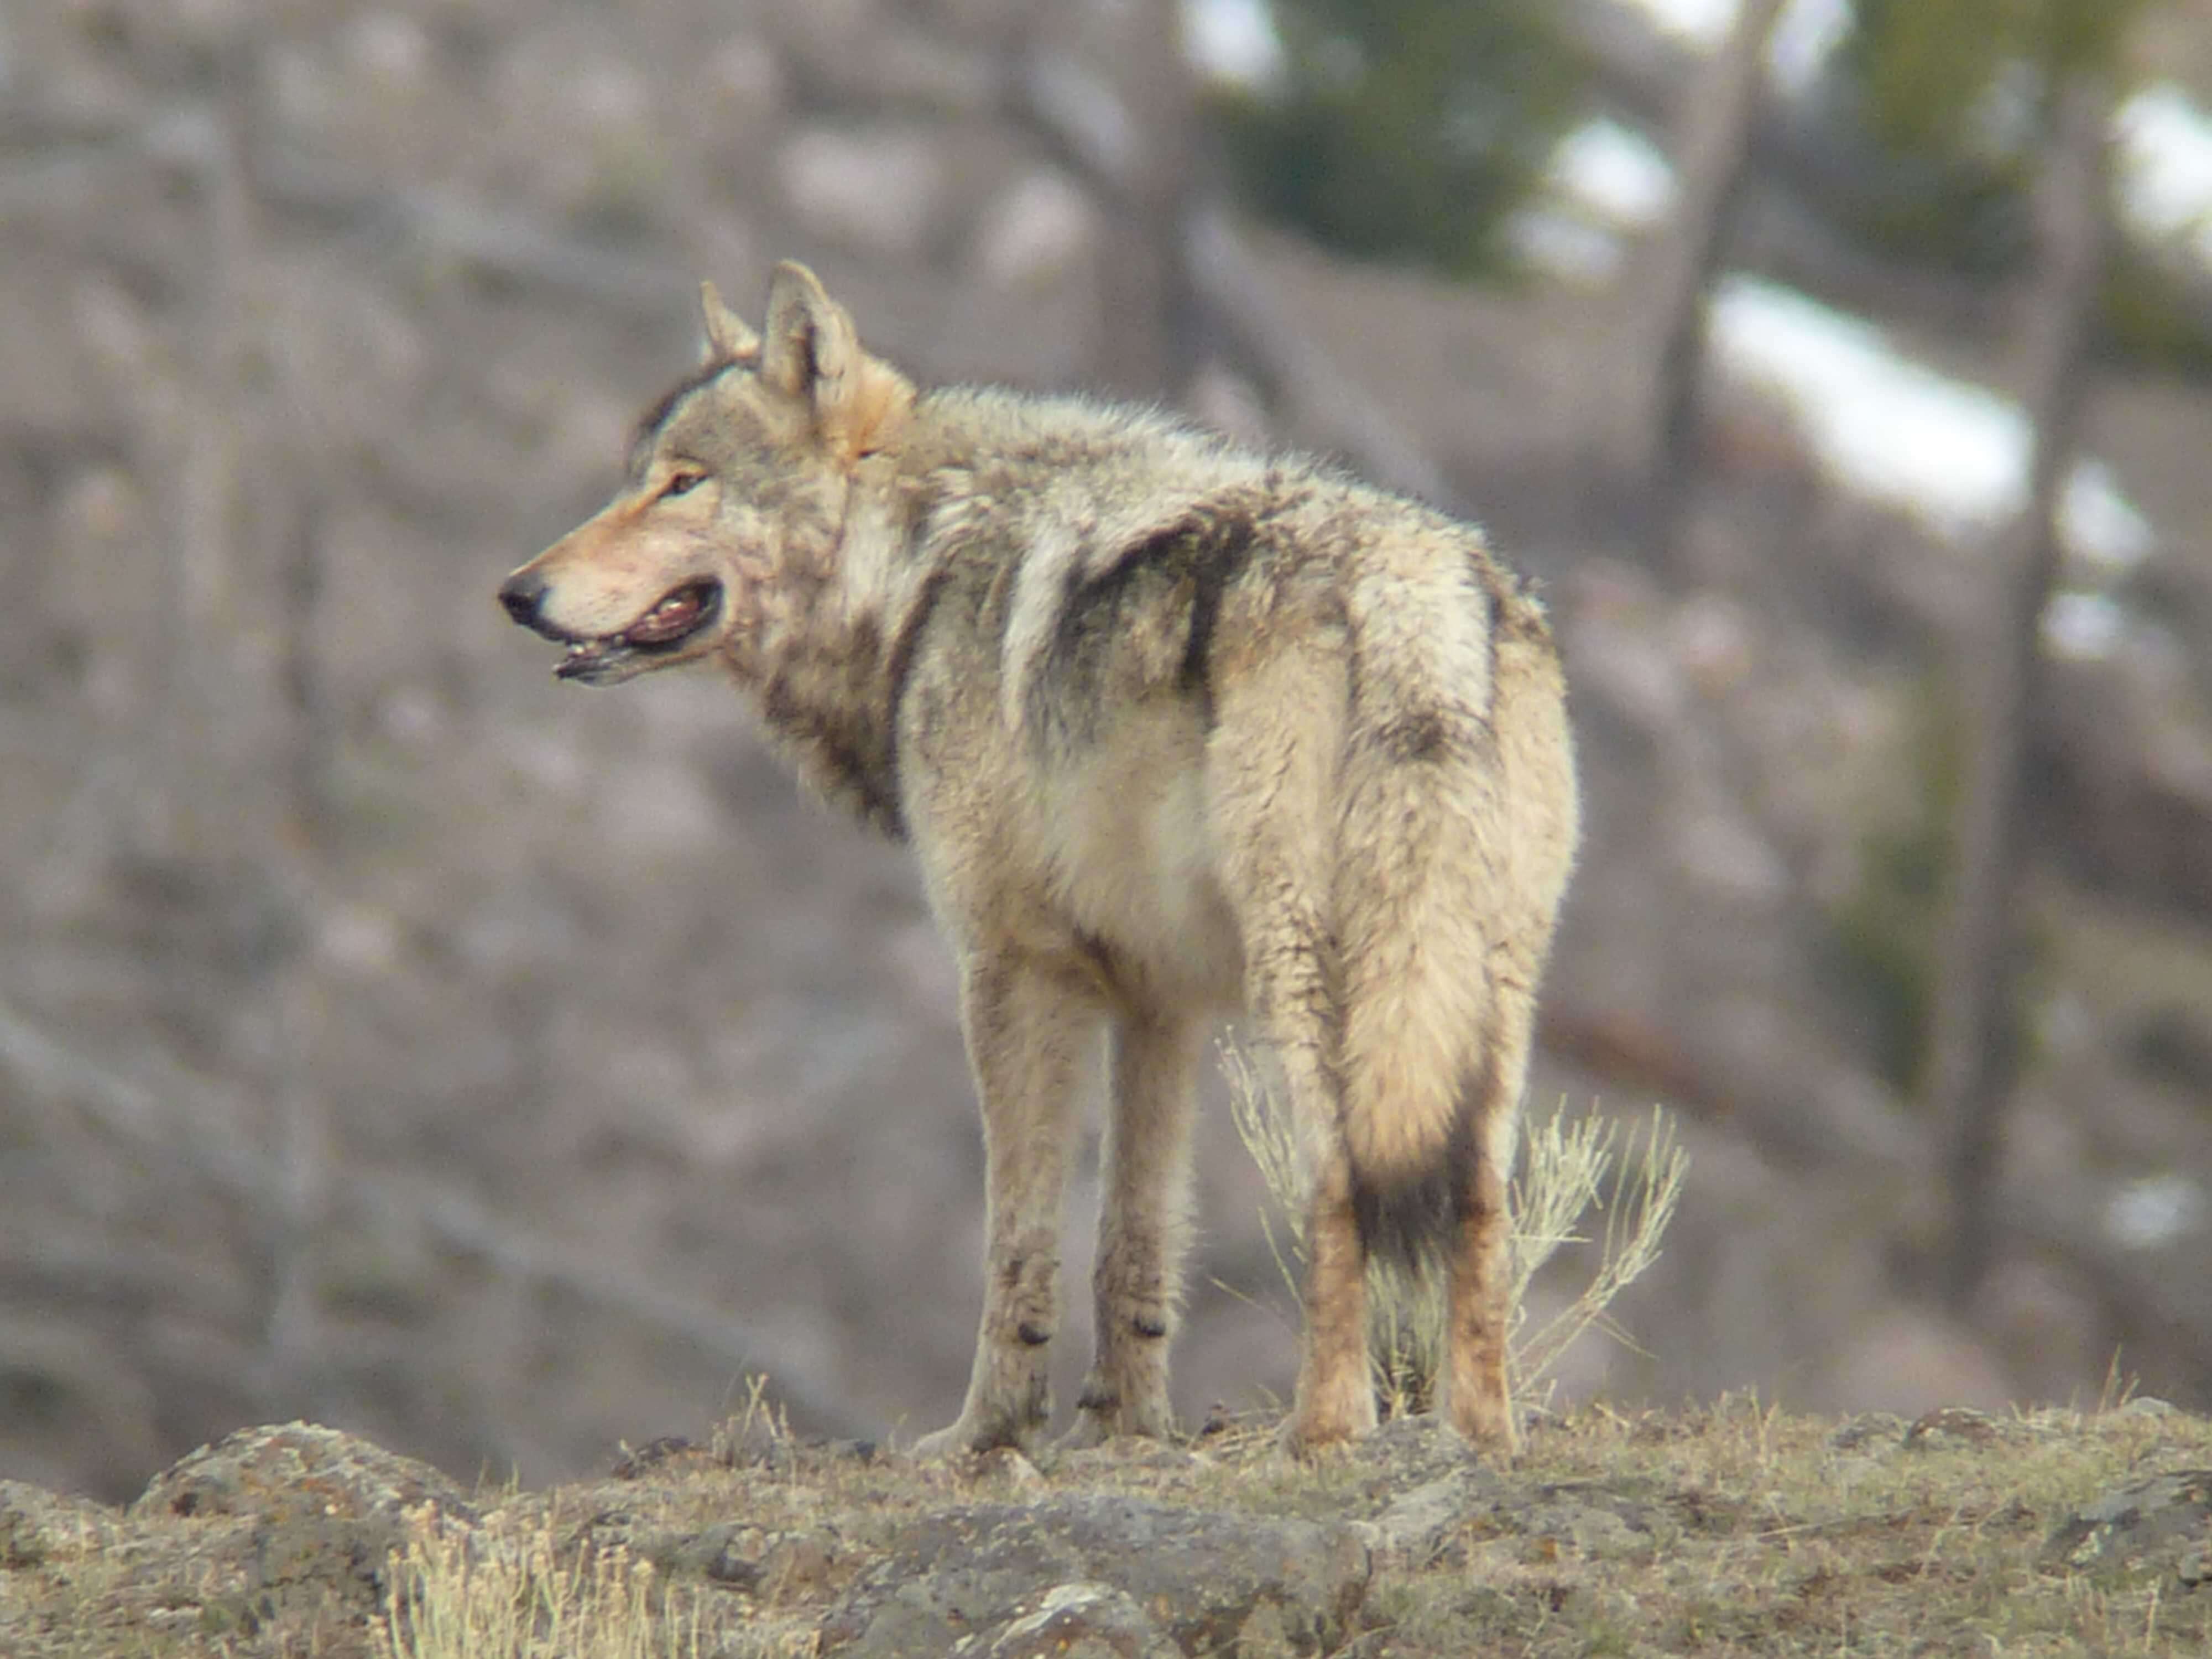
{"x": 1473, "y": 1397}
{"x": 1030, "y": 1034}
{"x": 1144, "y": 1225}
{"x": 1272, "y": 761}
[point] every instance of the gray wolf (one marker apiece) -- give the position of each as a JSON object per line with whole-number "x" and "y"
{"x": 1173, "y": 730}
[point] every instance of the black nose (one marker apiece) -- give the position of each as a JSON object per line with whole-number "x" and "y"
{"x": 522, "y": 595}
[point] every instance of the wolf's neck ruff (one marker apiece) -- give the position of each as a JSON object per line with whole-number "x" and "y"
{"x": 1173, "y": 730}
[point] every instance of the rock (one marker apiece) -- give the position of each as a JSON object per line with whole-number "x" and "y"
{"x": 1417, "y": 1526}
{"x": 1951, "y": 1427}
{"x": 1081, "y": 1622}
{"x": 307, "y": 1568}
{"x": 2161, "y": 1523}
{"x": 299, "y": 1471}
{"x": 287, "y": 1529}
{"x": 37, "y": 1526}
{"x": 288, "y": 1525}
{"x": 1884, "y": 1426}
{"x": 2145, "y": 1405}
{"x": 1599, "y": 1522}
{"x": 774, "y": 1567}
{"x": 1216, "y": 1581}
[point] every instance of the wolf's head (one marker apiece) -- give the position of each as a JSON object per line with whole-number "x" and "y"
{"x": 736, "y": 491}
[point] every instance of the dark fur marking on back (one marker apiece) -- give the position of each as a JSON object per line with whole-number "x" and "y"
{"x": 1218, "y": 564}
{"x": 1201, "y": 552}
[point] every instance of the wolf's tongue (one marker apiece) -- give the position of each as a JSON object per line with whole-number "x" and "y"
{"x": 667, "y": 620}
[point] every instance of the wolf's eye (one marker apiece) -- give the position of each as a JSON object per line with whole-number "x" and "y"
{"x": 683, "y": 484}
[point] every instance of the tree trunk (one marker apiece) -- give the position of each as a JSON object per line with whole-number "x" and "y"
{"x": 1716, "y": 150}
{"x": 1973, "y": 1046}
{"x": 1112, "y": 88}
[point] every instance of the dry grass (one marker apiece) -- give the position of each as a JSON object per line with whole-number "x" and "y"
{"x": 496, "y": 1593}
{"x": 1564, "y": 1178}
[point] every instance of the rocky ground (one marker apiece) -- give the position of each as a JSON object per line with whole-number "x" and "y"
{"x": 1737, "y": 1529}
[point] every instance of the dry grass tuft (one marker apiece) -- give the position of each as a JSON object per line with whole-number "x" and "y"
{"x": 497, "y": 1593}
{"x": 1564, "y": 1178}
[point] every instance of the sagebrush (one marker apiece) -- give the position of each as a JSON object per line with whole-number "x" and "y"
{"x": 1565, "y": 1171}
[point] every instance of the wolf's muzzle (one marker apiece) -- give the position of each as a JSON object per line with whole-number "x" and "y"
{"x": 522, "y": 595}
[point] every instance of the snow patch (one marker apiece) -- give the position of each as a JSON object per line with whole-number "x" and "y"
{"x": 1955, "y": 454}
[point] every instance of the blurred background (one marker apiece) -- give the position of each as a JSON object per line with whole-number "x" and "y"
{"x": 393, "y": 1038}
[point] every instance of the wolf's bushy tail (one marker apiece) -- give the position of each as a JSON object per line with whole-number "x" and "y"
{"x": 1423, "y": 903}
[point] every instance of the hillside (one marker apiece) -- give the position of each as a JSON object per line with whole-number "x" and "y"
{"x": 1734, "y": 1529}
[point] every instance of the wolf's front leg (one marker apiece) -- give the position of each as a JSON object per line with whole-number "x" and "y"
{"x": 1143, "y": 1225}
{"x": 1030, "y": 1035}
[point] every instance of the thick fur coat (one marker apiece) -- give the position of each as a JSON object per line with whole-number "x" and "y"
{"x": 1174, "y": 729}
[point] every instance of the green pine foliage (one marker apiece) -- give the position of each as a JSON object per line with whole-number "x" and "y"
{"x": 1406, "y": 129}
{"x": 1958, "y": 94}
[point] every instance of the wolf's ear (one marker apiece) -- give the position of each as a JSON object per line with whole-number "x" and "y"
{"x": 728, "y": 339}
{"x": 812, "y": 353}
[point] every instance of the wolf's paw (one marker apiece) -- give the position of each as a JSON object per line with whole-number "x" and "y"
{"x": 1092, "y": 1429}
{"x": 965, "y": 1438}
{"x": 1312, "y": 1438}
{"x": 955, "y": 1441}
{"x": 1102, "y": 1417}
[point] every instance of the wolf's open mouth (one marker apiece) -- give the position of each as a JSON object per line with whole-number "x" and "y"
{"x": 680, "y": 615}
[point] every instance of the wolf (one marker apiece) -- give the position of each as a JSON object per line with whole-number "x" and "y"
{"x": 1174, "y": 729}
